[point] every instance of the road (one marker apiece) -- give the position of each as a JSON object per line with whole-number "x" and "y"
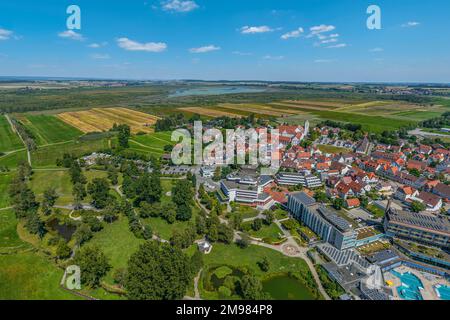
{"x": 420, "y": 132}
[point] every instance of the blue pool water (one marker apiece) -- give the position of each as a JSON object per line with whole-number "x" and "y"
{"x": 443, "y": 291}
{"x": 411, "y": 285}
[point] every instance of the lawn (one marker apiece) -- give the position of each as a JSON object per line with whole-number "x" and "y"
{"x": 5, "y": 180}
{"x": 9, "y": 140}
{"x": 9, "y": 239}
{"x": 267, "y": 233}
{"x": 118, "y": 243}
{"x": 332, "y": 149}
{"x": 156, "y": 141}
{"x": 12, "y": 160}
{"x": 45, "y": 157}
{"x": 60, "y": 180}
{"x": 49, "y": 129}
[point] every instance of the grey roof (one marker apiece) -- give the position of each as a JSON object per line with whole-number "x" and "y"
{"x": 342, "y": 257}
{"x": 303, "y": 198}
{"x": 382, "y": 256}
{"x": 336, "y": 220}
{"x": 420, "y": 220}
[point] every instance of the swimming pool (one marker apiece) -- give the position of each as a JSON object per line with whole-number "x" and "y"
{"x": 443, "y": 292}
{"x": 411, "y": 286}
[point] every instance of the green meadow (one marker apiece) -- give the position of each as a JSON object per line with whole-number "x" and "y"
{"x": 8, "y": 139}
{"x": 49, "y": 129}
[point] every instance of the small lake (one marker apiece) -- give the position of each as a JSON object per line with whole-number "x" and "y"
{"x": 63, "y": 230}
{"x": 207, "y": 91}
{"x": 287, "y": 288}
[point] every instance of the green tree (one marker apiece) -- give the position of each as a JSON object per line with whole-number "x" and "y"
{"x": 63, "y": 251}
{"x": 82, "y": 234}
{"x": 99, "y": 191}
{"x": 49, "y": 199}
{"x": 257, "y": 224}
{"x": 158, "y": 271}
{"x": 264, "y": 264}
{"x": 124, "y": 135}
{"x": 251, "y": 288}
{"x": 93, "y": 263}
{"x": 35, "y": 225}
{"x": 225, "y": 233}
{"x": 417, "y": 206}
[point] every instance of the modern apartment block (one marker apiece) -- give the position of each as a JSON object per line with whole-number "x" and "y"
{"x": 424, "y": 228}
{"x": 294, "y": 179}
{"x": 323, "y": 221}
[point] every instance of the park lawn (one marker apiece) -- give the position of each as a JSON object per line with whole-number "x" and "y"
{"x": 271, "y": 232}
{"x": 9, "y": 239}
{"x": 332, "y": 149}
{"x": 5, "y": 180}
{"x": 233, "y": 255}
{"x": 246, "y": 211}
{"x": 12, "y": 160}
{"x": 49, "y": 129}
{"x": 60, "y": 180}
{"x": 156, "y": 140}
{"x": 30, "y": 276}
{"x": 118, "y": 243}
{"x": 45, "y": 157}
{"x": 8, "y": 139}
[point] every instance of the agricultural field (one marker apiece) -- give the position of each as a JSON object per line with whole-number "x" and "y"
{"x": 45, "y": 157}
{"x": 103, "y": 119}
{"x": 49, "y": 129}
{"x": 210, "y": 112}
{"x": 152, "y": 143}
{"x": 5, "y": 180}
{"x": 13, "y": 159}
{"x": 9, "y": 140}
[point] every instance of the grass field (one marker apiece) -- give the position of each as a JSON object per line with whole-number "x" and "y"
{"x": 50, "y": 129}
{"x": 5, "y": 180}
{"x": 332, "y": 149}
{"x": 13, "y": 159}
{"x": 103, "y": 119}
{"x": 210, "y": 112}
{"x": 118, "y": 244}
{"x": 45, "y": 157}
{"x": 152, "y": 143}
{"x": 8, "y": 139}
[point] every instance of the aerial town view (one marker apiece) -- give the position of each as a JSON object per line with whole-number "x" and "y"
{"x": 224, "y": 151}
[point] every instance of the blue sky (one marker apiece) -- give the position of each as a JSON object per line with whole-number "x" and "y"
{"x": 292, "y": 40}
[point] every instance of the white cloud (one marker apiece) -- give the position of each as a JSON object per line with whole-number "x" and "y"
{"x": 252, "y": 30}
{"x": 179, "y": 5}
{"x": 70, "y": 34}
{"x": 131, "y": 45}
{"x": 240, "y": 53}
{"x": 332, "y": 40}
{"x": 204, "y": 49}
{"x": 340, "y": 45}
{"x": 323, "y": 60}
{"x": 411, "y": 24}
{"x": 321, "y": 29}
{"x": 269, "y": 57}
{"x": 5, "y": 34}
{"x": 376, "y": 50}
{"x": 99, "y": 56}
{"x": 96, "y": 45}
{"x": 293, "y": 34}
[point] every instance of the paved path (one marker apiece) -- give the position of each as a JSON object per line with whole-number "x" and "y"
{"x": 7, "y": 208}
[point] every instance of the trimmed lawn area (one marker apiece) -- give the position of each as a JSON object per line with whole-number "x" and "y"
{"x": 60, "y": 180}
{"x": 46, "y": 157}
{"x": 9, "y": 239}
{"x": 5, "y": 180}
{"x": 118, "y": 243}
{"x": 267, "y": 233}
{"x": 29, "y": 276}
{"x": 12, "y": 160}
{"x": 9, "y": 140}
{"x": 332, "y": 149}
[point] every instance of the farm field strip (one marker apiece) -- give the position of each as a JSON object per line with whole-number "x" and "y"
{"x": 325, "y": 104}
{"x": 210, "y": 112}
{"x": 51, "y": 129}
{"x": 302, "y": 107}
{"x": 9, "y": 140}
{"x": 103, "y": 119}
{"x": 259, "y": 109}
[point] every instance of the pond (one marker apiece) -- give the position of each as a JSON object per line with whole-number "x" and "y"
{"x": 205, "y": 91}
{"x": 65, "y": 231}
{"x": 285, "y": 287}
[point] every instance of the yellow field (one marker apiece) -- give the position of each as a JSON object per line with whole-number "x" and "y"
{"x": 103, "y": 119}
{"x": 317, "y": 103}
{"x": 210, "y": 112}
{"x": 302, "y": 106}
